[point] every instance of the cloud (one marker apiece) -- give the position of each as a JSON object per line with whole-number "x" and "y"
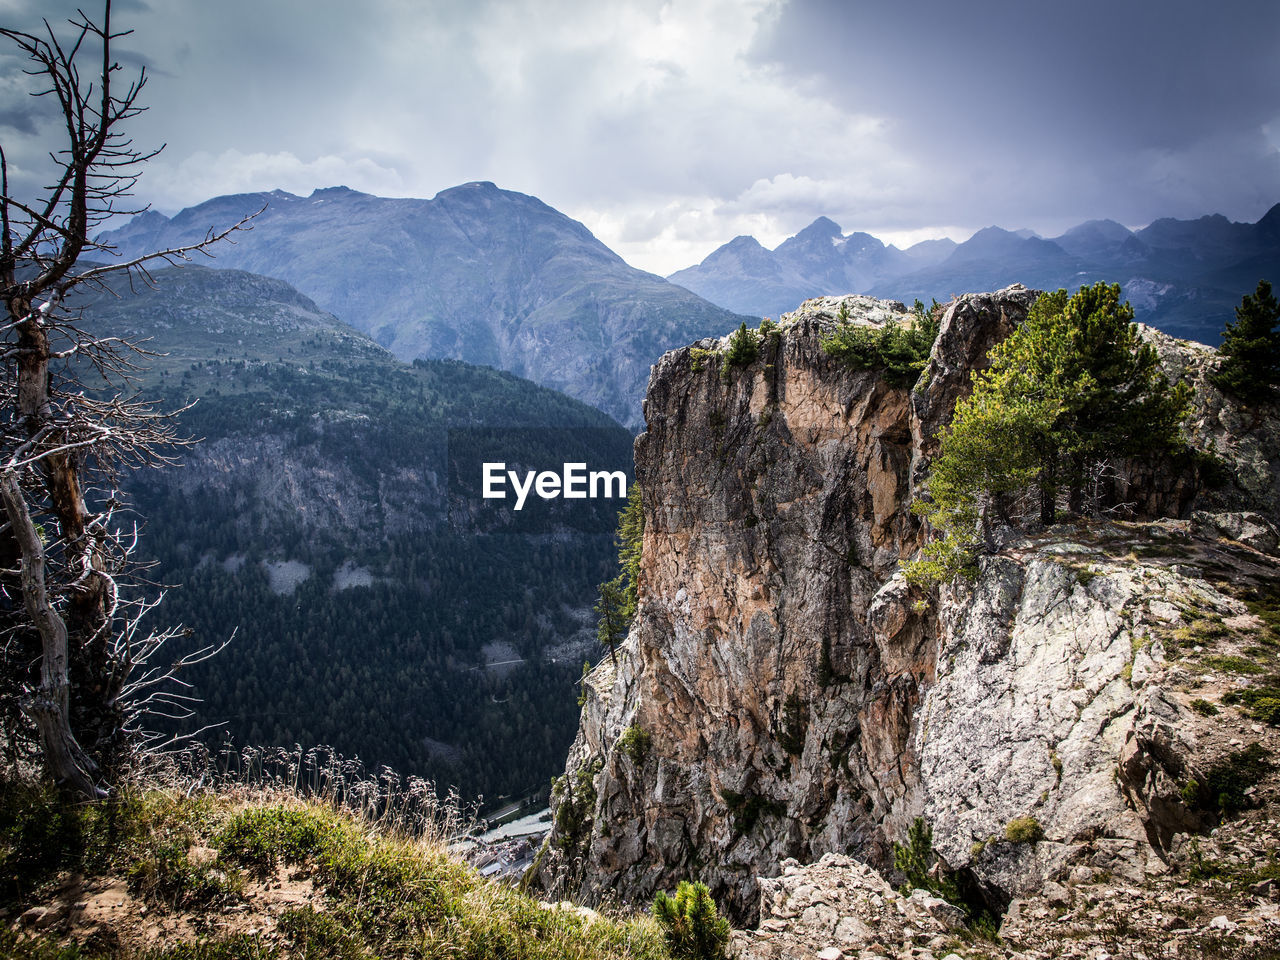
{"x": 202, "y": 175}
{"x": 669, "y": 126}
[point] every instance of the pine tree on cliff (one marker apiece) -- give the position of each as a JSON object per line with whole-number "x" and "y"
{"x": 1251, "y": 348}
{"x": 1072, "y": 389}
{"x": 612, "y": 628}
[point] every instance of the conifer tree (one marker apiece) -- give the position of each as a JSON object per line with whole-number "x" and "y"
{"x": 612, "y": 628}
{"x": 1071, "y": 388}
{"x": 693, "y": 928}
{"x": 1251, "y": 348}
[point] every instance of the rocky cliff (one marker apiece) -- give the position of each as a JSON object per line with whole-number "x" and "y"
{"x": 800, "y": 699}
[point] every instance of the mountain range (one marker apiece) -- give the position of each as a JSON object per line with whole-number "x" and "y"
{"x": 1183, "y": 276}
{"x": 478, "y": 274}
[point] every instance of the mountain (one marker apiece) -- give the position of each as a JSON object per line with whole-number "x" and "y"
{"x": 788, "y": 703}
{"x": 744, "y": 276}
{"x": 323, "y": 521}
{"x": 478, "y": 274}
{"x": 1183, "y": 276}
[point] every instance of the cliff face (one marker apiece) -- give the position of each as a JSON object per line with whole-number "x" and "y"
{"x": 801, "y": 699}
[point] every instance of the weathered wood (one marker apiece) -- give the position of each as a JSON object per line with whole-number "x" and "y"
{"x": 49, "y": 708}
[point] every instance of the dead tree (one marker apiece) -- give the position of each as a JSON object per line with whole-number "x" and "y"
{"x": 77, "y": 660}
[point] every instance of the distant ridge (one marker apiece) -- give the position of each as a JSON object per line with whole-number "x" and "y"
{"x": 1184, "y": 276}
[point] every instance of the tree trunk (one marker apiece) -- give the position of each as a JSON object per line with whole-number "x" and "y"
{"x": 1048, "y": 490}
{"x": 66, "y": 761}
{"x": 78, "y": 643}
{"x": 1075, "y": 495}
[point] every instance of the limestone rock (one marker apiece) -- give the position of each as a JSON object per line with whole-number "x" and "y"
{"x": 803, "y": 700}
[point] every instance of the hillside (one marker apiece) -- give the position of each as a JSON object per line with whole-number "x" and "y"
{"x": 1183, "y": 276}
{"x": 320, "y": 523}
{"x": 478, "y": 274}
{"x": 179, "y": 873}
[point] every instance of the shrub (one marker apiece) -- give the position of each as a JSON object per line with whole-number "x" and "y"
{"x": 744, "y": 348}
{"x": 573, "y": 797}
{"x": 1203, "y": 707}
{"x": 699, "y": 357}
{"x": 693, "y": 928}
{"x": 168, "y": 876}
{"x": 795, "y": 724}
{"x": 745, "y": 808}
{"x": 900, "y": 350}
{"x": 1266, "y": 709}
{"x": 915, "y": 860}
{"x": 1234, "y": 664}
{"x": 634, "y": 744}
{"x": 1226, "y": 783}
{"x": 1023, "y": 830}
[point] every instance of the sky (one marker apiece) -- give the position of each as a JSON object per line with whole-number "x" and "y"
{"x": 669, "y": 128}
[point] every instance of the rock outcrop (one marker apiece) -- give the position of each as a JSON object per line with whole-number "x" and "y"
{"x": 801, "y": 699}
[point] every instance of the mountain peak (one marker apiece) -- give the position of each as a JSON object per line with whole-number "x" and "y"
{"x": 821, "y": 229}
{"x": 331, "y": 192}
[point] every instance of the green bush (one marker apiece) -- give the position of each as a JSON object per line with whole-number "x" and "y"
{"x": 693, "y": 928}
{"x": 1203, "y": 707}
{"x": 573, "y": 798}
{"x": 901, "y": 351}
{"x": 634, "y": 744}
{"x": 745, "y": 809}
{"x": 1266, "y": 709}
{"x": 1023, "y": 830}
{"x": 916, "y": 858}
{"x": 168, "y": 876}
{"x": 261, "y": 838}
{"x": 744, "y": 348}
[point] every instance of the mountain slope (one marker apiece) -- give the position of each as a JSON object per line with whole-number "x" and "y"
{"x": 321, "y": 520}
{"x": 479, "y": 274}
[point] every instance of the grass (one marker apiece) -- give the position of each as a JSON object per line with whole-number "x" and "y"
{"x": 1238, "y": 877}
{"x": 1023, "y": 830}
{"x": 378, "y": 892}
{"x": 1235, "y": 664}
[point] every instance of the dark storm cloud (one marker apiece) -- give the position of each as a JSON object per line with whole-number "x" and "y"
{"x": 1123, "y": 104}
{"x": 21, "y": 119}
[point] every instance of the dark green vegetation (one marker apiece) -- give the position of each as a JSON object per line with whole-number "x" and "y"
{"x": 746, "y": 809}
{"x": 1251, "y": 348}
{"x": 692, "y": 926}
{"x": 573, "y": 798}
{"x": 375, "y": 893}
{"x": 317, "y": 522}
{"x": 920, "y": 867}
{"x": 1225, "y": 786}
{"x": 915, "y": 860}
{"x": 616, "y": 606}
{"x": 1182, "y": 276}
{"x": 477, "y": 274}
{"x": 634, "y": 743}
{"x": 900, "y": 350}
{"x": 1068, "y": 391}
